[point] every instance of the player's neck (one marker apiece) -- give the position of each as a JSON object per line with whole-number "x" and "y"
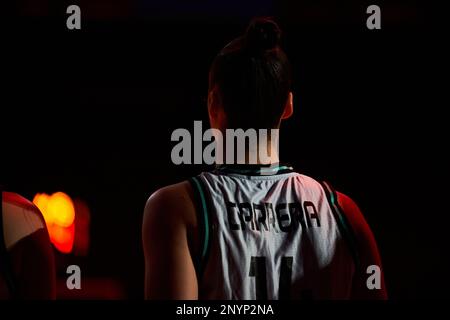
{"x": 251, "y": 147}
{"x": 258, "y": 155}
{"x": 269, "y": 159}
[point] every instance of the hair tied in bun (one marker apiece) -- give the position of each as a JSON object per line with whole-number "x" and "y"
{"x": 262, "y": 34}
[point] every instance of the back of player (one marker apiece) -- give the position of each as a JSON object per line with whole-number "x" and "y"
{"x": 271, "y": 235}
{"x": 249, "y": 231}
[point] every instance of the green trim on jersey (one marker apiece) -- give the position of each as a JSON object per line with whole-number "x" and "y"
{"x": 205, "y": 216}
{"x": 342, "y": 222}
{"x": 246, "y": 169}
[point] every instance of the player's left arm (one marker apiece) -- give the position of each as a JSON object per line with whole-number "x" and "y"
{"x": 369, "y": 254}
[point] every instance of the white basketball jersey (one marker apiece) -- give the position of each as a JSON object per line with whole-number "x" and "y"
{"x": 271, "y": 233}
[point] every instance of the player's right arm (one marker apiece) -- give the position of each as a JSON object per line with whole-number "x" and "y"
{"x": 367, "y": 250}
{"x": 169, "y": 220}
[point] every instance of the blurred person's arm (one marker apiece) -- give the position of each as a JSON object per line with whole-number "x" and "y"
{"x": 367, "y": 250}
{"x": 29, "y": 249}
{"x": 169, "y": 220}
{"x": 34, "y": 267}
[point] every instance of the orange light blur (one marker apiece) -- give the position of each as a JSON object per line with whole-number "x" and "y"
{"x": 82, "y": 225}
{"x": 62, "y": 237}
{"x": 59, "y": 214}
{"x": 60, "y": 208}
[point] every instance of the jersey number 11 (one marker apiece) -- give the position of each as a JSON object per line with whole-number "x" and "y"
{"x": 258, "y": 270}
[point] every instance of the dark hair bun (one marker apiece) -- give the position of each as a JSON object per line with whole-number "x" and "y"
{"x": 262, "y": 34}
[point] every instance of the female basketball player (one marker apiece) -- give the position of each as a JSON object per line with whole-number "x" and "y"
{"x": 254, "y": 231}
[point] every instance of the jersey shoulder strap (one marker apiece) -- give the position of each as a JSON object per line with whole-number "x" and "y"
{"x": 342, "y": 221}
{"x": 204, "y": 221}
{"x": 5, "y": 263}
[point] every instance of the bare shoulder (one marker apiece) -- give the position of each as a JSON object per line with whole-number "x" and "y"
{"x": 347, "y": 204}
{"x": 346, "y": 201}
{"x": 170, "y": 206}
{"x": 354, "y": 216}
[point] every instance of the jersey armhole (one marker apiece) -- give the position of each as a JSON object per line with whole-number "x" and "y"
{"x": 202, "y": 209}
{"x": 342, "y": 222}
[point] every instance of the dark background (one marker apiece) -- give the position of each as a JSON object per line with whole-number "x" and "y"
{"x": 90, "y": 113}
